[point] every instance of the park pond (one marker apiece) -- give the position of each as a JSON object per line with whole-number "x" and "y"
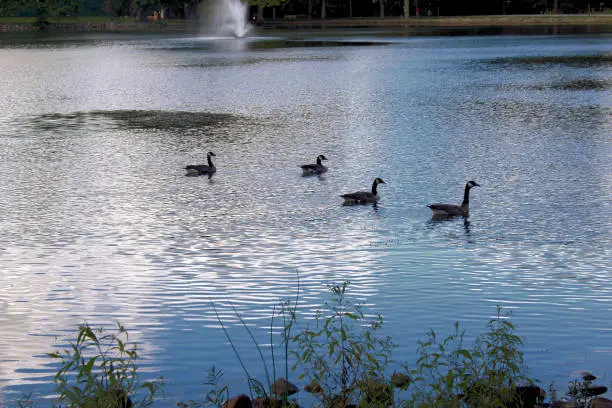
{"x": 99, "y": 223}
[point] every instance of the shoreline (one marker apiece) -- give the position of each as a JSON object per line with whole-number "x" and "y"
{"x": 549, "y": 20}
{"x": 601, "y": 22}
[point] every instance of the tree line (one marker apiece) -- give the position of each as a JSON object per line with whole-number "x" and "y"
{"x": 190, "y": 9}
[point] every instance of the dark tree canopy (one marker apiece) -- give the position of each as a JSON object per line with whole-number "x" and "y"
{"x": 45, "y": 10}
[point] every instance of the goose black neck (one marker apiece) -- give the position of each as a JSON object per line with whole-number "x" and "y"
{"x": 210, "y": 163}
{"x": 466, "y": 195}
{"x": 374, "y": 186}
{"x": 318, "y": 161}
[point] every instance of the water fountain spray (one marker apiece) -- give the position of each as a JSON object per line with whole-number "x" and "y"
{"x": 225, "y": 17}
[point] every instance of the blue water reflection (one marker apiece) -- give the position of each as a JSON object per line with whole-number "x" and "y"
{"x": 100, "y": 224}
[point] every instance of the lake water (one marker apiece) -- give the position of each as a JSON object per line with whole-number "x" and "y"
{"x": 100, "y": 224}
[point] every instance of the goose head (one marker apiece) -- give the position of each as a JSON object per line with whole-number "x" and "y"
{"x": 321, "y": 157}
{"x": 378, "y": 180}
{"x": 210, "y": 154}
{"x": 472, "y": 183}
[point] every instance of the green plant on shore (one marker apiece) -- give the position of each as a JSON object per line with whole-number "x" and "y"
{"x": 579, "y": 390}
{"x": 256, "y": 387}
{"x": 342, "y": 356}
{"x": 288, "y": 314}
{"x": 448, "y": 374}
{"x": 216, "y": 394}
{"x": 99, "y": 370}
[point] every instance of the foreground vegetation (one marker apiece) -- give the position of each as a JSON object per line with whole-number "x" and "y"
{"x": 339, "y": 353}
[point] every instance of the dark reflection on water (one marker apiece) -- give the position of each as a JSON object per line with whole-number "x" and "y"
{"x": 593, "y": 117}
{"x": 208, "y": 44}
{"x": 584, "y": 61}
{"x": 253, "y": 61}
{"x": 332, "y": 43}
{"x": 507, "y": 30}
{"x": 584, "y": 85}
{"x": 576, "y": 85}
{"x": 99, "y": 222}
{"x": 141, "y": 119}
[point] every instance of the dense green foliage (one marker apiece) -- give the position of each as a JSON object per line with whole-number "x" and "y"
{"x": 99, "y": 370}
{"x": 450, "y": 374}
{"x": 341, "y": 355}
{"x": 45, "y": 10}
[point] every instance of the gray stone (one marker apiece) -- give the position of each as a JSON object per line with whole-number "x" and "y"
{"x": 600, "y": 402}
{"x": 400, "y": 380}
{"x": 563, "y": 404}
{"x": 596, "y": 390}
{"x": 241, "y": 401}
{"x": 313, "y": 388}
{"x": 529, "y": 396}
{"x": 283, "y": 387}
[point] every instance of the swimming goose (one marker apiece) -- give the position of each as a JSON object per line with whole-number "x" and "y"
{"x": 452, "y": 210}
{"x": 200, "y": 169}
{"x": 364, "y": 197}
{"x": 310, "y": 169}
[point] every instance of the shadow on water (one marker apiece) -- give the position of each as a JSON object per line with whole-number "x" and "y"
{"x": 261, "y": 43}
{"x": 201, "y": 175}
{"x": 358, "y": 205}
{"x": 436, "y": 224}
{"x": 578, "y": 85}
{"x": 142, "y": 119}
{"x": 137, "y": 119}
{"x": 332, "y": 43}
{"x": 536, "y": 112}
{"x": 224, "y": 62}
{"x": 175, "y": 124}
{"x": 320, "y": 177}
{"x": 468, "y": 231}
{"x": 579, "y": 61}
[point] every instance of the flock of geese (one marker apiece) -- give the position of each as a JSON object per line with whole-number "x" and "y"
{"x": 439, "y": 210}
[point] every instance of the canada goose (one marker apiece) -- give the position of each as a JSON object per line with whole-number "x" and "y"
{"x": 452, "y": 210}
{"x": 200, "y": 169}
{"x": 363, "y": 197}
{"x": 310, "y": 169}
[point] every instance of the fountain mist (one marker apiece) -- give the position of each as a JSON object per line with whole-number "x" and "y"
{"x": 225, "y": 17}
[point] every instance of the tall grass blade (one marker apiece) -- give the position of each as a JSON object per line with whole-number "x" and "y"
{"x": 233, "y": 348}
{"x": 263, "y": 360}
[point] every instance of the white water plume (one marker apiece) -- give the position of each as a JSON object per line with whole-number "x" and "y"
{"x": 225, "y": 17}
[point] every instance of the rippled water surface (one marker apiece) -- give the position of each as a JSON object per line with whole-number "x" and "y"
{"x": 100, "y": 224}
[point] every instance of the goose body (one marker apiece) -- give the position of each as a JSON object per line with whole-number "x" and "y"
{"x": 201, "y": 169}
{"x": 364, "y": 197}
{"x": 310, "y": 169}
{"x": 452, "y": 210}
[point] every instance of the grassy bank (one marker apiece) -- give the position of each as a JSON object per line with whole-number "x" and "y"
{"x": 93, "y": 23}
{"x": 72, "y": 20}
{"x": 449, "y": 22}
{"x": 100, "y": 23}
